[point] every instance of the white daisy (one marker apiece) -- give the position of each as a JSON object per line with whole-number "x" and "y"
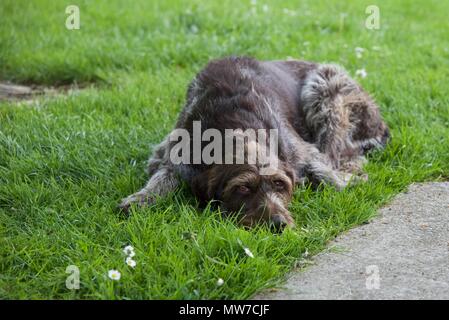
{"x": 129, "y": 251}
{"x": 130, "y": 262}
{"x": 248, "y": 252}
{"x": 359, "y": 52}
{"x": 289, "y": 12}
{"x": 114, "y": 275}
{"x": 220, "y": 282}
{"x": 361, "y": 73}
{"x": 194, "y": 29}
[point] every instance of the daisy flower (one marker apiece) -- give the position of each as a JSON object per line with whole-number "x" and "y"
{"x": 194, "y": 29}
{"x": 130, "y": 262}
{"x": 361, "y": 73}
{"x": 289, "y": 12}
{"x": 248, "y": 252}
{"x": 358, "y": 52}
{"x": 114, "y": 275}
{"x": 129, "y": 251}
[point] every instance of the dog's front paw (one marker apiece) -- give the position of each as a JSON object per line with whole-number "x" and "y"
{"x": 137, "y": 199}
{"x": 348, "y": 179}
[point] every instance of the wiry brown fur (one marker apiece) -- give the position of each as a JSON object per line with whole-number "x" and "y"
{"x": 326, "y": 124}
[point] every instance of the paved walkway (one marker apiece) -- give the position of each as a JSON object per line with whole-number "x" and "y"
{"x": 401, "y": 254}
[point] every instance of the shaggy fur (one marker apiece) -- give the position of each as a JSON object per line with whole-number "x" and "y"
{"x": 326, "y": 124}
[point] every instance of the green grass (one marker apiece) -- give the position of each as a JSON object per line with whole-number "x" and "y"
{"x": 65, "y": 162}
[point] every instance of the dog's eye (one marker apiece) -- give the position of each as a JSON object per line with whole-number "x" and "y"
{"x": 279, "y": 183}
{"x": 243, "y": 189}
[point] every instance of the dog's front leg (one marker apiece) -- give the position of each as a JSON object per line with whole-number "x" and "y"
{"x": 163, "y": 178}
{"x": 318, "y": 169}
{"x": 315, "y": 167}
{"x": 161, "y": 183}
{"x": 319, "y": 172}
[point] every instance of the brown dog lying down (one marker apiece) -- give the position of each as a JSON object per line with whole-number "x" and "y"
{"x": 324, "y": 123}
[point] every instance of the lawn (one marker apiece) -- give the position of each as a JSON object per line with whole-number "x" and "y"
{"x": 66, "y": 161}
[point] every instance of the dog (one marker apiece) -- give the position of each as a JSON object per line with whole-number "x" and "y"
{"x": 324, "y": 121}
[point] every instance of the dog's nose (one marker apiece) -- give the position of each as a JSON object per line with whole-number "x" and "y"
{"x": 279, "y": 222}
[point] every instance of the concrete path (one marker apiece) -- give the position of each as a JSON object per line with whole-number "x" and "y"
{"x": 402, "y": 254}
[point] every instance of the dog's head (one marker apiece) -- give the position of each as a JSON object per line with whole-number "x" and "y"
{"x": 258, "y": 196}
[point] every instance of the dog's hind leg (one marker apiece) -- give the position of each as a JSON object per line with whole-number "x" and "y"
{"x": 344, "y": 120}
{"x": 323, "y": 98}
{"x": 163, "y": 179}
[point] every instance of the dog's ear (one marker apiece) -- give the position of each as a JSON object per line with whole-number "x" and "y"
{"x": 207, "y": 185}
{"x": 200, "y": 186}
